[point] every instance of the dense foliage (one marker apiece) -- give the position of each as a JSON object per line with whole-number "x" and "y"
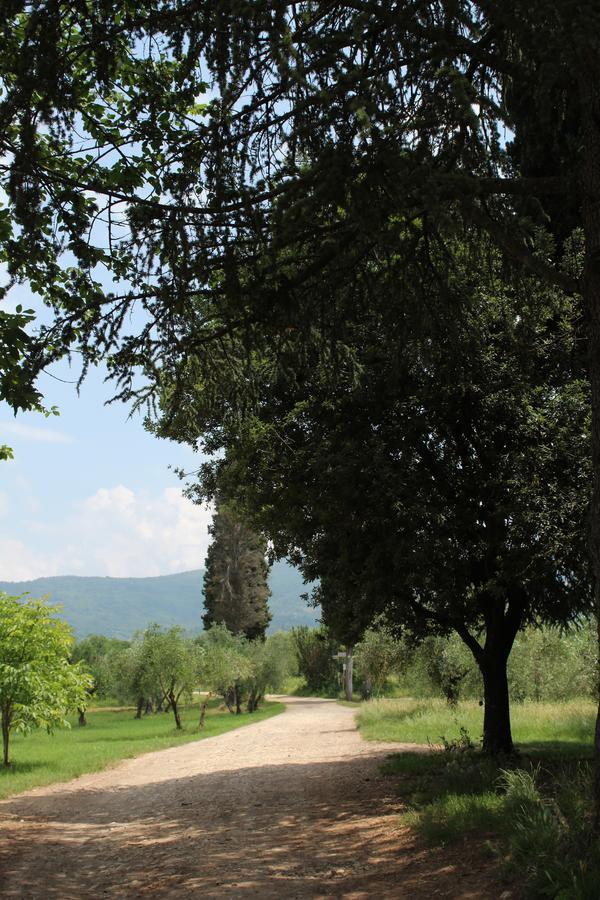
{"x": 38, "y": 683}
{"x": 98, "y": 654}
{"x": 236, "y": 591}
{"x": 444, "y": 486}
{"x": 316, "y": 650}
{"x": 545, "y": 665}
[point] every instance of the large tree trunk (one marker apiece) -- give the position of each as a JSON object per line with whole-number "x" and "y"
{"x": 497, "y": 736}
{"x": 503, "y": 618}
{"x": 139, "y": 708}
{"x": 590, "y": 185}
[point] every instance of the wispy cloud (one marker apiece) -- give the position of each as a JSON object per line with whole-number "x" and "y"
{"x": 30, "y": 433}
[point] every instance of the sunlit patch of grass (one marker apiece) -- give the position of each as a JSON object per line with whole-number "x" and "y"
{"x": 430, "y": 720}
{"x": 457, "y": 815}
{"x": 39, "y": 758}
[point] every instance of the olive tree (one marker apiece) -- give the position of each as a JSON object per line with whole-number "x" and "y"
{"x": 171, "y": 661}
{"x": 224, "y": 664}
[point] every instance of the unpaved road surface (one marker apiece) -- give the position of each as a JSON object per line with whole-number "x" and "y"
{"x": 291, "y": 807}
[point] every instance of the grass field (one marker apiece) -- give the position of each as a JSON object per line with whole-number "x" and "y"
{"x": 532, "y": 811}
{"x": 39, "y": 758}
{"x": 535, "y": 725}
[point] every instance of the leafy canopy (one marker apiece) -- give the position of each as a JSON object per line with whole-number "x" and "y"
{"x": 38, "y": 683}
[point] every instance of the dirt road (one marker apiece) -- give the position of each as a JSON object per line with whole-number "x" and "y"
{"x": 292, "y": 807}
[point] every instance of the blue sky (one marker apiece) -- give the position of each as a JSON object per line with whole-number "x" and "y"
{"x": 90, "y": 491}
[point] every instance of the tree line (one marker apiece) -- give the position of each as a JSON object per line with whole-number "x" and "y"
{"x": 162, "y": 668}
{"x": 45, "y": 674}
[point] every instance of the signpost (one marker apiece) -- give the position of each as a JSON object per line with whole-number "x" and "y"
{"x": 347, "y": 667}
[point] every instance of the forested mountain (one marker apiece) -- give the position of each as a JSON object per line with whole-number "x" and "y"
{"x": 117, "y": 607}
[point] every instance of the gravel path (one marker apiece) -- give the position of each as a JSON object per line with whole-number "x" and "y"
{"x": 291, "y": 807}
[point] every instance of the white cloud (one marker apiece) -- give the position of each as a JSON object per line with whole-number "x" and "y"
{"x": 116, "y": 532}
{"x": 118, "y": 499}
{"x": 18, "y": 562}
{"x": 30, "y": 433}
{"x": 135, "y": 535}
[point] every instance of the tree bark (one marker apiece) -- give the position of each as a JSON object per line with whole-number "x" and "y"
{"x": 82, "y": 719}
{"x": 238, "y": 704}
{"x": 589, "y": 90}
{"x": 173, "y": 703}
{"x": 497, "y": 735}
{"x": 203, "y": 708}
{"x": 503, "y": 618}
{"x": 139, "y": 708}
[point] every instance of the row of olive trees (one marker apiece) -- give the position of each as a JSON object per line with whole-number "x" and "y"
{"x": 161, "y": 668}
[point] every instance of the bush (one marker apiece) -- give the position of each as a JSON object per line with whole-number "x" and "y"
{"x": 316, "y": 651}
{"x": 545, "y": 665}
{"x": 378, "y": 654}
{"x": 549, "y": 839}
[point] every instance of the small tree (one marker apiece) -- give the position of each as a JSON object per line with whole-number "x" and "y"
{"x": 38, "y": 684}
{"x": 97, "y": 653}
{"x": 131, "y": 677}
{"x": 172, "y": 662}
{"x": 271, "y": 662}
{"x": 224, "y": 664}
{"x": 377, "y": 654}
{"x": 447, "y": 664}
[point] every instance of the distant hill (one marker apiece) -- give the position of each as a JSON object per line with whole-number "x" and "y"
{"x": 117, "y": 607}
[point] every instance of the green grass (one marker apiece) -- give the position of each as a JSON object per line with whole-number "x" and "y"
{"x": 534, "y": 814}
{"x": 39, "y": 758}
{"x": 535, "y": 725}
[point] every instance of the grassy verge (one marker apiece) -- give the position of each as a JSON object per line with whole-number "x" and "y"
{"x": 40, "y": 758}
{"x": 532, "y": 811}
{"x": 431, "y": 720}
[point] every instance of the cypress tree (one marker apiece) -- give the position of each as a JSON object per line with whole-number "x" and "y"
{"x": 235, "y": 578}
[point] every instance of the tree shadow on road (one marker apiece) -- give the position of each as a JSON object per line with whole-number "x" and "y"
{"x": 325, "y": 829}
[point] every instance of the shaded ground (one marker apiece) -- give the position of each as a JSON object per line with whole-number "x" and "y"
{"x": 291, "y": 807}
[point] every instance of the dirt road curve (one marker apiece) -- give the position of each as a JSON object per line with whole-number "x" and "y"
{"x": 291, "y": 807}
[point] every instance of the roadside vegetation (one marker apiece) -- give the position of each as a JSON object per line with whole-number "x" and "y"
{"x": 531, "y": 809}
{"x": 431, "y": 721}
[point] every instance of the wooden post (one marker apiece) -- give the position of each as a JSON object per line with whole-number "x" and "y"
{"x": 348, "y": 674}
